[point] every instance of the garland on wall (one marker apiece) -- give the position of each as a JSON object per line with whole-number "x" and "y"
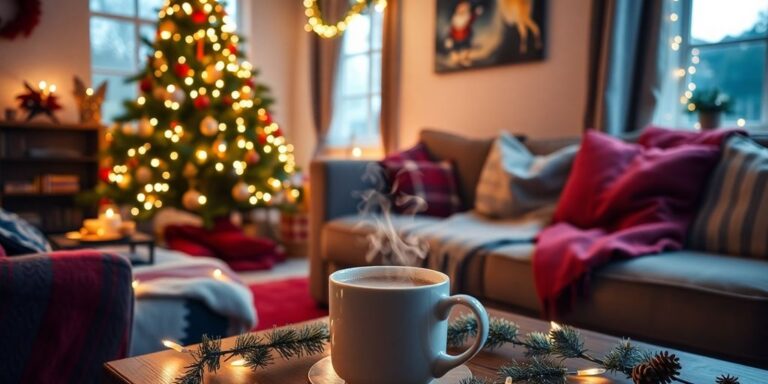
{"x": 26, "y": 19}
{"x": 317, "y": 24}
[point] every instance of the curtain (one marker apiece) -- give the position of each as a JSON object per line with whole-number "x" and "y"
{"x": 324, "y": 59}
{"x": 390, "y": 76}
{"x": 623, "y": 64}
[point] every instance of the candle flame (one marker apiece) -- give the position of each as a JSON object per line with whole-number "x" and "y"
{"x": 590, "y": 372}
{"x": 238, "y": 363}
{"x": 109, "y": 213}
{"x": 172, "y": 345}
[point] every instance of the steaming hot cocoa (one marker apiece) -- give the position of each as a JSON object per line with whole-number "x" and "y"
{"x": 386, "y": 281}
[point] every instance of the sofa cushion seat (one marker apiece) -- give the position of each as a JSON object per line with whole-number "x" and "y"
{"x": 678, "y": 297}
{"x": 344, "y": 240}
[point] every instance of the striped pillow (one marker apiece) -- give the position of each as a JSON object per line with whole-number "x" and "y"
{"x": 733, "y": 218}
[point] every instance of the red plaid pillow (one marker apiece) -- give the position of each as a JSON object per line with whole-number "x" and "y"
{"x": 419, "y": 183}
{"x": 416, "y": 153}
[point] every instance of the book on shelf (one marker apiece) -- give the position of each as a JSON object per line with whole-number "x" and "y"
{"x": 59, "y": 183}
{"x": 19, "y": 187}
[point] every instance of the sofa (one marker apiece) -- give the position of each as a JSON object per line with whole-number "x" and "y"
{"x": 706, "y": 303}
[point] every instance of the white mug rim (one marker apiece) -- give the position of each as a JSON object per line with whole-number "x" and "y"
{"x": 443, "y": 278}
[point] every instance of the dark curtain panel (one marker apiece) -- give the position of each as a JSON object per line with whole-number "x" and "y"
{"x": 623, "y": 64}
{"x": 390, "y": 76}
{"x": 324, "y": 59}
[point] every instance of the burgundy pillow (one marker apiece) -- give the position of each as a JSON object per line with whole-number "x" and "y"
{"x": 416, "y": 153}
{"x": 433, "y": 183}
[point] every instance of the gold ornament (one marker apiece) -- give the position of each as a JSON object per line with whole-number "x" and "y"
{"x": 161, "y": 93}
{"x": 190, "y": 171}
{"x": 191, "y": 199}
{"x": 167, "y": 26}
{"x": 129, "y": 129}
{"x": 322, "y": 28}
{"x": 145, "y": 129}
{"x": 211, "y": 74}
{"x": 209, "y": 126}
{"x": 143, "y": 174}
{"x": 240, "y": 192}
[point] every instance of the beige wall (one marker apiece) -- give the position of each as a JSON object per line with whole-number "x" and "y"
{"x": 542, "y": 99}
{"x": 56, "y": 51}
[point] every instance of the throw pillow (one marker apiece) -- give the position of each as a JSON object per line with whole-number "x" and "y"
{"x": 431, "y": 183}
{"x": 416, "y": 153}
{"x": 514, "y": 182}
{"x": 734, "y": 214}
{"x": 18, "y": 237}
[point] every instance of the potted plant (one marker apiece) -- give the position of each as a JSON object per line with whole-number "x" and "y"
{"x": 710, "y": 105}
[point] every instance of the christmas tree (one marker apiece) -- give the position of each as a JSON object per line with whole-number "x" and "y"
{"x": 200, "y": 135}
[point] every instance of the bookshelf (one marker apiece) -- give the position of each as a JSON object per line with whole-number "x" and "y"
{"x": 42, "y": 168}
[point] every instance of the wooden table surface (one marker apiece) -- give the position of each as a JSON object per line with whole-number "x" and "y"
{"x": 165, "y": 366}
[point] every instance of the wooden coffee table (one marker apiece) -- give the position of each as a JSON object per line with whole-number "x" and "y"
{"x": 164, "y": 367}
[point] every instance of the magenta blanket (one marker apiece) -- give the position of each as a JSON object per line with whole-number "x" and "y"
{"x": 621, "y": 200}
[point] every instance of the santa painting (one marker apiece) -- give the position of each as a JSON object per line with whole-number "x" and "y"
{"x": 459, "y": 40}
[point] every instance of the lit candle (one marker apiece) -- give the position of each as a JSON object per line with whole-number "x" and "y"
{"x": 172, "y": 345}
{"x": 110, "y": 220}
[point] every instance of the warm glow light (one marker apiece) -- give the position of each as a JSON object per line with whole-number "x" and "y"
{"x": 590, "y": 372}
{"x": 741, "y": 122}
{"x": 175, "y": 346}
{"x": 238, "y": 363}
{"x": 135, "y": 284}
{"x": 555, "y": 326}
{"x": 357, "y": 152}
{"x": 217, "y": 274}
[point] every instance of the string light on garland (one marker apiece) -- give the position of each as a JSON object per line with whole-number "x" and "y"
{"x": 316, "y": 23}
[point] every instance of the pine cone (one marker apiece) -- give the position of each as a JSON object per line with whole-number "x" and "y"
{"x": 727, "y": 379}
{"x": 662, "y": 368}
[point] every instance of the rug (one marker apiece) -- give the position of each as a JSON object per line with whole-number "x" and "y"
{"x": 283, "y": 302}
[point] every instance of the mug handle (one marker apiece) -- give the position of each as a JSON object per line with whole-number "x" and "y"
{"x": 446, "y": 362}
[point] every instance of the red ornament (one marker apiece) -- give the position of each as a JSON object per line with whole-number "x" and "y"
{"x": 249, "y": 82}
{"x": 232, "y": 48}
{"x": 146, "y": 85}
{"x": 26, "y": 19}
{"x": 227, "y": 100}
{"x": 104, "y": 174}
{"x": 262, "y": 138}
{"x": 267, "y": 118}
{"x": 105, "y": 201}
{"x": 278, "y": 132}
{"x": 132, "y": 162}
{"x": 198, "y": 16}
{"x": 181, "y": 70}
{"x": 202, "y": 102}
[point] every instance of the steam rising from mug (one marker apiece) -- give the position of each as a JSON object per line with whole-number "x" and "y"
{"x": 384, "y": 240}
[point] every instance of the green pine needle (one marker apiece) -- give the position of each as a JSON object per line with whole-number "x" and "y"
{"x": 566, "y": 342}
{"x": 623, "y": 357}
{"x": 535, "y": 371}
{"x": 500, "y": 332}
{"x": 537, "y": 344}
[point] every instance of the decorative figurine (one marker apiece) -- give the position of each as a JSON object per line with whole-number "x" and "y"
{"x": 39, "y": 101}
{"x": 89, "y": 101}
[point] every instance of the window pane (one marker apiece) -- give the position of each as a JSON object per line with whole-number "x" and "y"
{"x": 378, "y": 19}
{"x": 231, "y": 7}
{"x": 117, "y": 92}
{"x": 356, "y": 37}
{"x": 371, "y": 136}
{"x": 355, "y": 75}
{"x": 718, "y": 20}
{"x": 116, "y": 7}
{"x": 350, "y": 120}
{"x": 376, "y": 73}
{"x": 147, "y": 31}
{"x": 113, "y": 44}
{"x": 738, "y": 71}
{"x": 148, "y": 9}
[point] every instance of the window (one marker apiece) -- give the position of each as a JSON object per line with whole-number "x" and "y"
{"x": 117, "y": 28}
{"x": 357, "y": 99}
{"x": 715, "y": 44}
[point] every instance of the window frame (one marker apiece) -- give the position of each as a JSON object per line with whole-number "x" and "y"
{"x": 369, "y": 95}
{"x": 686, "y": 18}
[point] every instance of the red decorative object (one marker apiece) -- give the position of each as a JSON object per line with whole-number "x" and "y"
{"x": 198, "y": 16}
{"x": 202, "y": 102}
{"x": 284, "y": 302}
{"x": 227, "y": 100}
{"x": 104, "y": 174}
{"x": 146, "y": 85}
{"x": 181, "y": 70}
{"x": 27, "y": 18}
{"x": 132, "y": 162}
{"x": 38, "y": 101}
{"x": 232, "y": 48}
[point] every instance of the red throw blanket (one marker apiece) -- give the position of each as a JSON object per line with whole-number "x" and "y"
{"x": 622, "y": 200}
{"x": 227, "y": 242}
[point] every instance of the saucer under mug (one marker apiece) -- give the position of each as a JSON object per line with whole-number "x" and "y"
{"x": 322, "y": 373}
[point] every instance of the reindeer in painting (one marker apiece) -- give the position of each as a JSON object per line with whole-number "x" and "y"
{"x": 519, "y": 13}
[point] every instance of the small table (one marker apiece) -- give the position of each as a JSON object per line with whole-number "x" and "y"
{"x": 61, "y": 242}
{"x": 166, "y": 366}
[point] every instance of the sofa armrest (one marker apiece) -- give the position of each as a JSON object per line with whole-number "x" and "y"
{"x": 333, "y": 186}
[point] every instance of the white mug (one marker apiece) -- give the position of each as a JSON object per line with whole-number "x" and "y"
{"x": 395, "y": 334}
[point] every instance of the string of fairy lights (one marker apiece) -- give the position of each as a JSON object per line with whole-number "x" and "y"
{"x": 317, "y": 24}
{"x": 675, "y": 44}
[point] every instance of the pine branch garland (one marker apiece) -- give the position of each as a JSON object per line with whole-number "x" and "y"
{"x": 623, "y": 357}
{"x": 566, "y": 342}
{"x": 537, "y": 344}
{"x": 535, "y": 371}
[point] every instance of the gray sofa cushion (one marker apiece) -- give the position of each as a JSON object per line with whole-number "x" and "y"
{"x": 675, "y": 297}
{"x": 468, "y": 156}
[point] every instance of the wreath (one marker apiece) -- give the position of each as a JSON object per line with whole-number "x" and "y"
{"x": 26, "y": 19}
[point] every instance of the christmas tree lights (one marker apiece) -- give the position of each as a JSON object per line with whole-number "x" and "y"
{"x": 200, "y": 135}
